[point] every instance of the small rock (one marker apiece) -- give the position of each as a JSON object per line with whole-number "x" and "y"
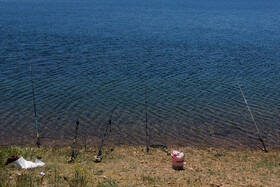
{"x": 104, "y": 177}
{"x": 190, "y": 168}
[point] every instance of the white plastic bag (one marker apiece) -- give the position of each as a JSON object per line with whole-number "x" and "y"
{"x": 24, "y": 164}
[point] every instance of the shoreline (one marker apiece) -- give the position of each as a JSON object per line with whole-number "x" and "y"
{"x": 254, "y": 144}
{"x": 95, "y": 146}
{"x": 130, "y": 166}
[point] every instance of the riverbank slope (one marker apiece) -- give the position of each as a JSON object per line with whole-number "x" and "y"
{"x": 130, "y": 166}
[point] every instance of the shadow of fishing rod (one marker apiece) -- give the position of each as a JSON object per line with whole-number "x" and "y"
{"x": 258, "y": 131}
{"x": 107, "y": 130}
{"x": 35, "y": 111}
{"x": 162, "y": 147}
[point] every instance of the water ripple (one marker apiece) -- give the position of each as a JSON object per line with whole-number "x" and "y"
{"x": 91, "y": 56}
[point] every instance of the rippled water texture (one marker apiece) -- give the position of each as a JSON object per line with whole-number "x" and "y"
{"x": 88, "y": 56}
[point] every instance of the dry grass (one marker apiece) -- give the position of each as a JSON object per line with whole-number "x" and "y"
{"x": 130, "y": 166}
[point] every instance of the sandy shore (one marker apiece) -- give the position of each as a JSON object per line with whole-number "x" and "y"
{"x": 130, "y": 166}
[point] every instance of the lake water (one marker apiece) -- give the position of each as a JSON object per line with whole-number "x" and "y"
{"x": 88, "y": 56}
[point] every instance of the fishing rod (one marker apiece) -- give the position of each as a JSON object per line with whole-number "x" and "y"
{"x": 259, "y": 134}
{"x": 146, "y": 122}
{"x": 35, "y": 111}
{"x": 72, "y": 158}
{"x": 97, "y": 157}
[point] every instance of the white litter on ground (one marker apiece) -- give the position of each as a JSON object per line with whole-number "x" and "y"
{"x": 24, "y": 164}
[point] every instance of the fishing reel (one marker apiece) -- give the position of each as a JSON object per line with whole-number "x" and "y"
{"x": 97, "y": 159}
{"x": 71, "y": 160}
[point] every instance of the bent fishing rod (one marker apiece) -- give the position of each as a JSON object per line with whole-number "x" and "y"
{"x": 72, "y": 158}
{"x": 108, "y": 128}
{"x": 259, "y": 134}
{"x": 35, "y": 111}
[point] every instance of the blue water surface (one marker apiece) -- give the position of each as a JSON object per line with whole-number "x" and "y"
{"x": 188, "y": 56}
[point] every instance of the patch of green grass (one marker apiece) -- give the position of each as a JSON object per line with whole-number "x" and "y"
{"x": 241, "y": 158}
{"x": 127, "y": 169}
{"x": 268, "y": 162}
{"x": 108, "y": 182}
{"x": 28, "y": 179}
{"x": 151, "y": 180}
{"x": 209, "y": 164}
{"x": 78, "y": 180}
{"x": 189, "y": 180}
{"x": 211, "y": 172}
{"x": 98, "y": 172}
{"x": 190, "y": 152}
{"x": 132, "y": 167}
{"x": 113, "y": 157}
{"x": 55, "y": 178}
{"x": 4, "y": 175}
{"x": 198, "y": 180}
{"x": 24, "y": 180}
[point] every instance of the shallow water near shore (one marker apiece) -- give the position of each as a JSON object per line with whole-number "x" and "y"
{"x": 88, "y": 56}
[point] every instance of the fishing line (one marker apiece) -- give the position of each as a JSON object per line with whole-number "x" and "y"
{"x": 259, "y": 134}
{"x": 35, "y": 111}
